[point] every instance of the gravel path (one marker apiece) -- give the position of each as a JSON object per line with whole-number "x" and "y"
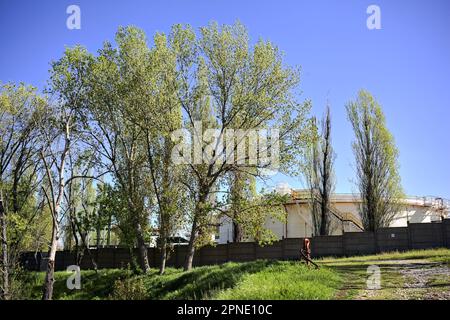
{"x": 419, "y": 281}
{"x": 420, "y": 276}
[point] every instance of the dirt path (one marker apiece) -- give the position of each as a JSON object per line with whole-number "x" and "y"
{"x": 426, "y": 281}
{"x": 410, "y": 279}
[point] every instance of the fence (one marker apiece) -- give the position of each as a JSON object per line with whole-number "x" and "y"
{"x": 414, "y": 236}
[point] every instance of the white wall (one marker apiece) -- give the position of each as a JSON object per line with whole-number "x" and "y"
{"x": 225, "y": 230}
{"x": 415, "y": 214}
{"x": 299, "y": 220}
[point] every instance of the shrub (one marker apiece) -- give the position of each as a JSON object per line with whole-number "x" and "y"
{"x": 129, "y": 289}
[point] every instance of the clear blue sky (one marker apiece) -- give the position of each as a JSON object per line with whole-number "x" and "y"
{"x": 406, "y": 64}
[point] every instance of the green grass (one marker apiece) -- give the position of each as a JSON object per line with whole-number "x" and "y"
{"x": 338, "y": 278}
{"x": 202, "y": 282}
{"x": 286, "y": 281}
{"x": 437, "y": 255}
{"x": 94, "y": 285}
{"x": 251, "y": 280}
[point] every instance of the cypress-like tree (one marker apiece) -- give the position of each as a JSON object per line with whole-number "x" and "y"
{"x": 376, "y": 158}
{"x": 320, "y": 174}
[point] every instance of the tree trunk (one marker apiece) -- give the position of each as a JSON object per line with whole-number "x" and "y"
{"x": 108, "y": 239}
{"x": 98, "y": 236}
{"x": 73, "y": 227}
{"x": 80, "y": 255}
{"x": 200, "y": 207}
{"x": 143, "y": 253}
{"x": 93, "y": 260}
{"x": 162, "y": 267}
{"x": 163, "y": 241}
{"x": 86, "y": 247}
{"x": 4, "y": 294}
{"x": 191, "y": 247}
{"x": 371, "y": 207}
{"x": 49, "y": 276}
{"x": 324, "y": 216}
{"x": 238, "y": 233}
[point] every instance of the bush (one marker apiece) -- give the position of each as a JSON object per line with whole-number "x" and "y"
{"x": 129, "y": 289}
{"x": 22, "y": 283}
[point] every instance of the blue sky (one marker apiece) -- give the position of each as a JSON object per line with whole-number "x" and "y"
{"x": 406, "y": 64}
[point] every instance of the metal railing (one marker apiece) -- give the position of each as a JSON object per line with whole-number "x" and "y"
{"x": 429, "y": 201}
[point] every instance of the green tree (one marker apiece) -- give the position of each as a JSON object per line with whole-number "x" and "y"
{"x": 157, "y": 112}
{"x": 227, "y": 84}
{"x": 250, "y": 211}
{"x": 81, "y": 210}
{"x": 376, "y": 162}
{"x": 242, "y": 190}
{"x": 60, "y": 131}
{"x": 107, "y": 208}
{"x": 118, "y": 82}
{"x": 20, "y": 107}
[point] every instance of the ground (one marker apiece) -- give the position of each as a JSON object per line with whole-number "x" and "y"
{"x": 419, "y": 274}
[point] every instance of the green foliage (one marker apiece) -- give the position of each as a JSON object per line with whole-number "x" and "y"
{"x": 285, "y": 281}
{"x": 22, "y": 283}
{"x": 202, "y": 282}
{"x": 27, "y": 232}
{"x": 376, "y": 162}
{"x": 337, "y": 278}
{"x": 23, "y": 224}
{"x": 250, "y": 211}
{"x": 122, "y": 88}
{"x": 94, "y": 285}
{"x": 226, "y": 83}
{"x": 129, "y": 289}
{"x": 126, "y": 101}
{"x": 251, "y": 280}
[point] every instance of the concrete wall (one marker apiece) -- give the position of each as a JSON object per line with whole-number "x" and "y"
{"x": 415, "y": 214}
{"x": 299, "y": 221}
{"x": 389, "y": 239}
{"x": 327, "y": 246}
{"x": 358, "y": 243}
{"x": 415, "y": 236}
{"x": 426, "y": 235}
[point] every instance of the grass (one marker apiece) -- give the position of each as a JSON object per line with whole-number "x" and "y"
{"x": 202, "y": 282}
{"x": 437, "y": 255}
{"x": 260, "y": 279}
{"x": 338, "y": 278}
{"x": 94, "y": 285}
{"x": 286, "y": 281}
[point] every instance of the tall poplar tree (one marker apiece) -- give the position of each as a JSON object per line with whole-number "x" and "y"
{"x": 376, "y": 158}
